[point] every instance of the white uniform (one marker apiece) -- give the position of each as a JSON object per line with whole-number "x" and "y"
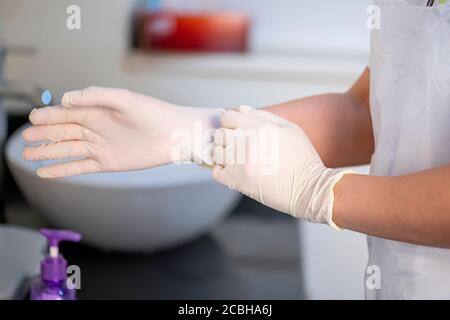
{"x": 410, "y": 106}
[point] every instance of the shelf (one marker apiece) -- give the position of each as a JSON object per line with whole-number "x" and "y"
{"x": 309, "y": 67}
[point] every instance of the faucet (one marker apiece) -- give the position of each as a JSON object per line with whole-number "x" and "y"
{"x": 16, "y": 91}
{"x": 2, "y": 61}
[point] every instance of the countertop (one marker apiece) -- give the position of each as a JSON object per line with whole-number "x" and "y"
{"x": 252, "y": 254}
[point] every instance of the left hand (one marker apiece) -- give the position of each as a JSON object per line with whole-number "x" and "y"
{"x": 109, "y": 130}
{"x": 294, "y": 180}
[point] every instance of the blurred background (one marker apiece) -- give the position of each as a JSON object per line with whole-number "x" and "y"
{"x": 204, "y": 53}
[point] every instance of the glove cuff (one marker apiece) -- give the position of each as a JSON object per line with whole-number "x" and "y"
{"x": 196, "y": 145}
{"x": 316, "y": 204}
{"x": 328, "y": 203}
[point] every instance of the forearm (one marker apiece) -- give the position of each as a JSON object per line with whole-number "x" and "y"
{"x": 414, "y": 208}
{"x": 338, "y": 125}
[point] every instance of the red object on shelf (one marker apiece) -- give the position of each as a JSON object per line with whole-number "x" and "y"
{"x": 207, "y": 32}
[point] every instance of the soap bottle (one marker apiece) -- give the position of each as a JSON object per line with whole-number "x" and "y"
{"x": 52, "y": 282}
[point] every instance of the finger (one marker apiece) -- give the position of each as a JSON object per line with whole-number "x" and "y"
{"x": 219, "y": 155}
{"x": 68, "y": 169}
{"x": 57, "y": 115}
{"x": 224, "y": 137}
{"x": 234, "y": 154}
{"x": 56, "y": 133}
{"x": 224, "y": 176}
{"x": 96, "y": 97}
{"x": 217, "y": 173}
{"x": 230, "y": 155}
{"x": 233, "y": 119}
{"x": 207, "y": 158}
{"x": 57, "y": 151}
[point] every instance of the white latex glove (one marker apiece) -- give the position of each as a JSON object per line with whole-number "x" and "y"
{"x": 301, "y": 186}
{"x": 105, "y": 129}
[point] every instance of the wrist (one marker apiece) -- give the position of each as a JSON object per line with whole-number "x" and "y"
{"x": 344, "y": 199}
{"x": 192, "y": 135}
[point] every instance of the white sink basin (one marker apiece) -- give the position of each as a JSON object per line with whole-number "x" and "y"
{"x": 136, "y": 211}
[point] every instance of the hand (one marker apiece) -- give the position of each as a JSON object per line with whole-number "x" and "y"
{"x": 109, "y": 130}
{"x": 299, "y": 185}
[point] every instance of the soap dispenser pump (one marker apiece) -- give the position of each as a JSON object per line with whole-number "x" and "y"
{"x": 52, "y": 283}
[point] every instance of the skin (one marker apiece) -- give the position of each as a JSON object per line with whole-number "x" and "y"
{"x": 338, "y": 125}
{"x": 414, "y": 208}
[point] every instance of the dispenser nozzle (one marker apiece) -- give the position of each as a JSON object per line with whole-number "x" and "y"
{"x": 54, "y": 237}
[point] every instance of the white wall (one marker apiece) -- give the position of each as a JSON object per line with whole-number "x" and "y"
{"x": 308, "y": 24}
{"x": 98, "y": 55}
{"x": 66, "y": 59}
{"x": 287, "y": 24}
{"x": 95, "y": 55}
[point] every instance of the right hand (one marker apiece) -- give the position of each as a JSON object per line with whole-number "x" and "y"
{"x": 107, "y": 130}
{"x": 272, "y": 161}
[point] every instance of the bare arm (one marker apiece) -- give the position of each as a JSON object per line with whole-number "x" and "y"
{"x": 339, "y": 125}
{"x": 414, "y": 208}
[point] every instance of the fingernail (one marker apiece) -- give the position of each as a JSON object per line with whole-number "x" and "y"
{"x": 65, "y": 101}
{"x": 69, "y": 97}
{"x": 42, "y": 173}
{"x": 31, "y": 113}
{"x": 35, "y": 113}
{"x": 24, "y": 134}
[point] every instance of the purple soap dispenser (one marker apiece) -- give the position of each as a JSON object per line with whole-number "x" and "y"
{"x": 52, "y": 283}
